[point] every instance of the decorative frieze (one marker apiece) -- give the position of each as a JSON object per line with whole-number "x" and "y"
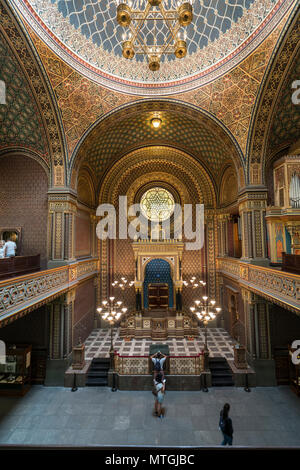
{"x": 282, "y": 288}
{"x": 133, "y": 365}
{"x": 25, "y": 293}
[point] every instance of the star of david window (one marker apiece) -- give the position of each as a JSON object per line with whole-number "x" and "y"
{"x": 157, "y": 204}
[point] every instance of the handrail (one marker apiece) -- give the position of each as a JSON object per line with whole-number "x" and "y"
{"x": 21, "y": 294}
{"x": 280, "y": 287}
{"x": 178, "y": 365}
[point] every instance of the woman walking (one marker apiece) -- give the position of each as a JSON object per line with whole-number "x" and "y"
{"x": 225, "y": 425}
{"x": 160, "y": 389}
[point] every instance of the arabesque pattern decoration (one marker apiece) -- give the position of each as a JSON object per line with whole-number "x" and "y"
{"x": 262, "y": 115}
{"x": 279, "y": 287}
{"x": 286, "y": 123}
{"x": 220, "y": 37}
{"x": 80, "y": 100}
{"x": 133, "y": 365}
{"x": 183, "y": 126}
{"x": 186, "y": 365}
{"x": 132, "y": 172}
{"x": 20, "y": 121}
{"x": 20, "y": 295}
{"x": 54, "y": 153}
{"x": 230, "y": 98}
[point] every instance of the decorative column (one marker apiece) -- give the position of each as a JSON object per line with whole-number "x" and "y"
{"x": 211, "y": 245}
{"x": 258, "y": 337}
{"x": 68, "y": 322}
{"x": 249, "y": 309}
{"x": 62, "y": 211}
{"x": 93, "y": 220}
{"x": 223, "y": 234}
{"x": 252, "y": 208}
{"x": 97, "y": 318}
{"x": 60, "y": 326}
{"x": 293, "y": 228}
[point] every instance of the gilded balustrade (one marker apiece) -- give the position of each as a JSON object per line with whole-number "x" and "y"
{"x": 22, "y": 294}
{"x": 277, "y": 286}
{"x": 141, "y": 365}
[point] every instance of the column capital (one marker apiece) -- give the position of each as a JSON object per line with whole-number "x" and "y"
{"x": 251, "y": 199}
{"x": 62, "y": 202}
{"x": 70, "y": 297}
{"x": 223, "y": 216}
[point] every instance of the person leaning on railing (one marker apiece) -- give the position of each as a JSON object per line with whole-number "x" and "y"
{"x": 158, "y": 360}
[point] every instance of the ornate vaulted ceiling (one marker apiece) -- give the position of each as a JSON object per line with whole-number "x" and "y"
{"x": 230, "y": 98}
{"x": 29, "y": 118}
{"x": 86, "y": 35}
{"x": 285, "y": 129}
{"x": 20, "y": 121}
{"x": 275, "y": 102}
{"x": 182, "y": 128}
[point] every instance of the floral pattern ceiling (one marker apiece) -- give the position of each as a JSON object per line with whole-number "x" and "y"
{"x": 85, "y": 34}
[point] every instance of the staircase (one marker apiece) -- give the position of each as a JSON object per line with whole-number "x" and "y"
{"x": 97, "y": 375}
{"x": 221, "y": 375}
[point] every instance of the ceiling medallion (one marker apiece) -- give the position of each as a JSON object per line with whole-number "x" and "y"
{"x": 143, "y": 16}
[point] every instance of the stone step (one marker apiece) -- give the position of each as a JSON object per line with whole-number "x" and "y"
{"x": 222, "y": 382}
{"x": 95, "y": 373}
{"x": 96, "y": 382}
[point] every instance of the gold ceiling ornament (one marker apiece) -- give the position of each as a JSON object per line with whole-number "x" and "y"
{"x": 155, "y": 28}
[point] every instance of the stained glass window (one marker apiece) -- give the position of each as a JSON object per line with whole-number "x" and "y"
{"x": 157, "y": 204}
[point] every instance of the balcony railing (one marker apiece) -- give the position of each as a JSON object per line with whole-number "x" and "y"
{"x": 142, "y": 365}
{"x": 277, "y": 286}
{"x": 25, "y": 293}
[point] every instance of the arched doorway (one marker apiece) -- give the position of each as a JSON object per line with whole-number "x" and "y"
{"x": 158, "y": 285}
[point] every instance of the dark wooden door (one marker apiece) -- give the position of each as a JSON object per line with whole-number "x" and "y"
{"x": 158, "y": 296}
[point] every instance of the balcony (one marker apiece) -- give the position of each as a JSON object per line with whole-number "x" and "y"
{"x": 22, "y": 294}
{"x": 276, "y": 286}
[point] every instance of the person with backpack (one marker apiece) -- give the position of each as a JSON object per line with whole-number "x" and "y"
{"x": 158, "y": 360}
{"x": 160, "y": 395}
{"x": 225, "y": 425}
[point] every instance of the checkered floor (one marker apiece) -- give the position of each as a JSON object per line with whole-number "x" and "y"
{"x": 218, "y": 340}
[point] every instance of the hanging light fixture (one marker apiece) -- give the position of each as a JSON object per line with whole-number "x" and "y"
{"x": 156, "y": 122}
{"x": 146, "y": 36}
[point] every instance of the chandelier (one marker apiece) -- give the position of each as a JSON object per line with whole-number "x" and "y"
{"x": 194, "y": 283}
{"x": 123, "y": 284}
{"x": 154, "y": 28}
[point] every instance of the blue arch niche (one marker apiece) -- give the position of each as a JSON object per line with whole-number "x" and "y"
{"x": 158, "y": 271}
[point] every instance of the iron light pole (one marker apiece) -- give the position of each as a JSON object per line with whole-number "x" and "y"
{"x": 112, "y": 312}
{"x": 205, "y": 311}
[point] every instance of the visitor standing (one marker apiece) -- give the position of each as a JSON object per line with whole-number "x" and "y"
{"x": 2, "y": 252}
{"x": 225, "y": 425}
{"x": 160, "y": 394}
{"x": 10, "y": 248}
